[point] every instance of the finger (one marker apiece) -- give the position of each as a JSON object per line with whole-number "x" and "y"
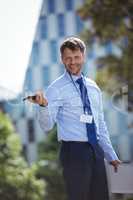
{"x": 120, "y": 162}
{"x": 39, "y": 97}
{"x": 115, "y": 168}
{"x": 39, "y": 92}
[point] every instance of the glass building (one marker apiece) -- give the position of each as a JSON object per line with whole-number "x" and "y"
{"x": 58, "y": 20}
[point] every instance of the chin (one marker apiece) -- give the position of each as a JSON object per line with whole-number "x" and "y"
{"x": 75, "y": 73}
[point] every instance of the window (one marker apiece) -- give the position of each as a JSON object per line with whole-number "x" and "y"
{"x": 35, "y": 53}
{"x": 69, "y": 4}
{"x": 43, "y": 27}
{"x": 51, "y": 6}
{"x": 45, "y": 75}
{"x": 61, "y": 25}
{"x": 53, "y": 50}
{"x": 79, "y": 24}
{"x": 31, "y": 133}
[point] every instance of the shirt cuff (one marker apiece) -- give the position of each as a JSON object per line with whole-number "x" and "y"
{"x": 110, "y": 157}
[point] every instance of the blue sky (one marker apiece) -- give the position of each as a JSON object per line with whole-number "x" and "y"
{"x": 18, "y": 19}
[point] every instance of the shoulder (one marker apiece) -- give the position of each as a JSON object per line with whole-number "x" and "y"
{"x": 59, "y": 82}
{"x": 56, "y": 86}
{"x": 92, "y": 83}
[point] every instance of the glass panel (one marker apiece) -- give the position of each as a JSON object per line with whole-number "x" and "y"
{"x": 45, "y": 75}
{"x": 51, "y": 6}
{"x": 35, "y": 53}
{"x": 79, "y": 24}
{"x": 43, "y": 27}
{"x": 69, "y": 4}
{"x": 53, "y": 50}
{"x": 31, "y": 133}
{"x": 61, "y": 25}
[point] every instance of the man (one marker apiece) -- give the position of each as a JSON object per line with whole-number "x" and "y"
{"x": 74, "y": 102}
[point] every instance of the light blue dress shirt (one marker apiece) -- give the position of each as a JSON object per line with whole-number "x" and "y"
{"x": 65, "y": 108}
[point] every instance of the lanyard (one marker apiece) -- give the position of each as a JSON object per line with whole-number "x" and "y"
{"x": 73, "y": 82}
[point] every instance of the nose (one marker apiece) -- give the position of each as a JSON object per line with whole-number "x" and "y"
{"x": 72, "y": 61}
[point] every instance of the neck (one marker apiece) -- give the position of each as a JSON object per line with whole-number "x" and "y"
{"x": 78, "y": 74}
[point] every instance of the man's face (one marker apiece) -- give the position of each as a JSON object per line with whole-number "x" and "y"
{"x": 73, "y": 60}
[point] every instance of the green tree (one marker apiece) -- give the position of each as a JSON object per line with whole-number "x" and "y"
{"x": 49, "y": 168}
{"x": 17, "y": 180}
{"x": 112, "y": 21}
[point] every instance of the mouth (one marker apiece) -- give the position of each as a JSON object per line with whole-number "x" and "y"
{"x": 73, "y": 67}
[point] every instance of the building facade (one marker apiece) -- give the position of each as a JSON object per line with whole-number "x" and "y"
{"x": 58, "y": 20}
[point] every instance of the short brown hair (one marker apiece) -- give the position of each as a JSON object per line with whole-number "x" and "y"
{"x": 73, "y": 43}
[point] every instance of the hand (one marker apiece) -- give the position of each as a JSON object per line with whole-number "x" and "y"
{"x": 115, "y": 164}
{"x": 39, "y": 99}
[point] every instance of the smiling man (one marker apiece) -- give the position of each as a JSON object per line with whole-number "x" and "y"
{"x": 74, "y": 103}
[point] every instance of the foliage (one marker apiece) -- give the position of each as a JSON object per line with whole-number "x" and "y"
{"x": 17, "y": 180}
{"x": 48, "y": 150}
{"x": 112, "y": 21}
{"x": 49, "y": 168}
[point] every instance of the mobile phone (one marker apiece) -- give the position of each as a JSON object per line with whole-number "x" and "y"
{"x": 30, "y": 97}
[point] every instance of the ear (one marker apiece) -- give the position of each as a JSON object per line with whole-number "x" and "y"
{"x": 62, "y": 60}
{"x": 84, "y": 57}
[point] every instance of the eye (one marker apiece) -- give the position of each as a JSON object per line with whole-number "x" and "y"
{"x": 68, "y": 59}
{"x": 77, "y": 57}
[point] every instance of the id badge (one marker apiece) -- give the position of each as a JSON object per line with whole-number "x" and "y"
{"x": 85, "y": 118}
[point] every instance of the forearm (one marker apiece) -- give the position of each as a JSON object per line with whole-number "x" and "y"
{"x": 104, "y": 139}
{"x": 45, "y": 118}
{"x": 105, "y": 142}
